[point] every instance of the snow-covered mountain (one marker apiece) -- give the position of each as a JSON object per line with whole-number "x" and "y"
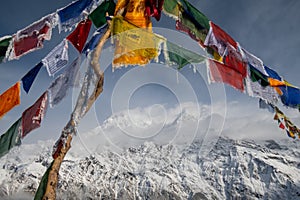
{"x": 179, "y": 161}
{"x": 232, "y": 170}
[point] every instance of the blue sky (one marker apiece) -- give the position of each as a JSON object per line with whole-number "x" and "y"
{"x": 269, "y": 29}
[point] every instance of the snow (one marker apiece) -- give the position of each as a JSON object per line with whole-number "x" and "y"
{"x": 173, "y": 163}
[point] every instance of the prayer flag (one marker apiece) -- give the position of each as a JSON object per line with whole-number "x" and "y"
{"x": 233, "y": 59}
{"x": 58, "y": 89}
{"x": 182, "y": 56}
{"x": 43, "y": 184}
{"x": 290, "y": 96}
{"x": 224, "y": 74}
{"x": 98, "y": 16}
{"x": 91, "y": 45}
{"x": 10, "y": 138}
{"x": 57, "y": 58}
{"x": 219, "y": 39}
{"x": 254, "y": 61}
{"x": 134, "y": 45}
{"x": 33, "y": 116}
{"x": 28, "y": 79}
{"x": 73, "y": 13}
{"x": 272, "y": 74}
{"x": 32, "y": 37}
{"x": 79, "y": 36}
{"x": 257, "y": 76}
{"x": 4, "y": 44}
{"x": 153, "y": 8}
{"x": 10, "y": 98}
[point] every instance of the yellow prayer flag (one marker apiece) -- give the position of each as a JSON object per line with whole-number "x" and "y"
{"x": 9, "y": 99}
{"x": 274, "y": 82}
{"x": 134, "y": 45}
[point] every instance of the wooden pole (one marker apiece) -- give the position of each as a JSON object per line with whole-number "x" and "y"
{"x": 69, "y": 130}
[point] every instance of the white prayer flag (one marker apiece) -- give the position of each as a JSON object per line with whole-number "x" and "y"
{"x": 57, "y": 58}
{"x": 58, "y": 89}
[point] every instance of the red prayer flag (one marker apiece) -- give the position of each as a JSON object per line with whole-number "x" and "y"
{"x": 79, "y": 36}
{"x": 222, "y": 73}
{"x": 234, "y": 60}
{"x": 281, "y": 125}
{"x": 222, "y": 35}
{"x": 10, "y": 98}
{"x": 30, "y": 42}
{"x": 32, "y": 117}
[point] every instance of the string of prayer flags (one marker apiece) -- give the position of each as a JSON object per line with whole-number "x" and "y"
{"x": 73, "y": 13}
{"x": 285, "y": 124}
{"x": 33, "y": 116}
{"x": 79, "y": 36}
{"x": 181, "y": 56}
{"x": 28, "y": 79}
{"x": 10, "y": 98}
{"x": 4, "y": 44}
{"x": 58, "y": 89}
{"x": 57, "y": 58}
{"x": 32, "y": 37}
{"x": 153, "y": 8}
{"x": 92, "y": 43}
{"x": 134, "y": 45}
{"x": 221, "y": 73}
{"x": 219, "y": 39}
{"x": 98, "y": 16}
{"x": 10, "y": 138}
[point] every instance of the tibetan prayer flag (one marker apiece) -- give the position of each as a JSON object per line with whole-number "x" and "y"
{"x": 198, "y": 18}
{"x": 233, "y": 59}
{"x": 254, "y": 61}
{"x": 257, "y": 76}
{"x": 10, "y": 138}
{"x": 182, "y": 56}
{"x": 98, "y": 16}
{"x": 73, "y": 13}
{"x": 290, "y": 96}
{"x": 134, "y": 45}
{"x": 172, "y": 8}
{"x": 9, "y": 99}
{"x": 58, "y": 89}
{"x": 43, "y": 184}
{"x": 219, "y": 39}
{"x": 4, "y": 44}
{"x": 79, "y": 36}
{"x": 223, "y": 74}
{"x": 33, "y": 116}
{"x": 32, "y": 37}
{"x": 274, "y": 82}
{"x": 57, "y": 58}
{"x": 153, "y": 8}
{"x": 91, "y": 45}
{"x": 272, "y": 74}
{"x": 28, "y": 79}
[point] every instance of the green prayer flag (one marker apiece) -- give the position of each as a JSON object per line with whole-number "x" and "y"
{"x": 43, "y": 184}
{"x": 11, "y": 138}
{"x": 182, "y": 56}
{"x": 98, "y": 15}
{"x": 196, "y": 14}
{"x": 171, "y": 7}
{"x": 256, "y": 75}
{"x": 4, "y": 43}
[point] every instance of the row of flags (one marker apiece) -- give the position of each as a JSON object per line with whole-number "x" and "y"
{"x": 58, "y": 59}
{"x": 136, "y": 44}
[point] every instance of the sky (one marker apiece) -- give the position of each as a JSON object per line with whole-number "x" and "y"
{"x": 268, "y": 29}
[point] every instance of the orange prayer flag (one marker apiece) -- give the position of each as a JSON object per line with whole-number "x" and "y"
{"x": 9, "y": 99}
